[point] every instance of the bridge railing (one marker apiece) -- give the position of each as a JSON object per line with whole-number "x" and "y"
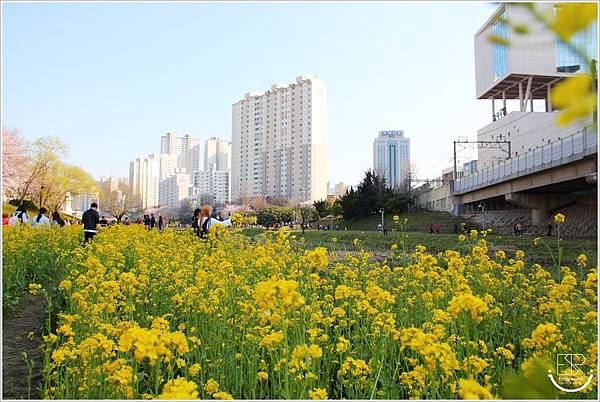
{"x": 568, "y": 149}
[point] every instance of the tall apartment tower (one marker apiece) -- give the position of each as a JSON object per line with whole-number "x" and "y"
{"x": 217, "y": 154}
{"x": 178, "y": 153}
{"x": 279, "y": 142}
{"x": 214, "y": 181}
{"x": 143, "y": 180}
{"x": 523, "y": 72}
{"x": 391, "y": 157}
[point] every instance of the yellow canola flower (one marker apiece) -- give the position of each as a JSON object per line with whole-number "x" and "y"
{"x": 262, "y": 376}
{"x": 471, "y": 389}
{"x": 194, "y": 369}
{"x": 222, "y": 395}
{"x": 318, "y": 394}
{"x": 573, "y": 17}
{"x": 179, "y": 388}
{"x": 559, "y": 218}
{"x": 576, "y": 98}
{"x": 317, "y": 258}
{"x": 468, "y": 302}
{"x": 342, "y": 345}
{"x": 34, "y": 288}
{"x": 582, "y": 260}
{"x": 211, "y": 386}
{"x": 271, "y": 340}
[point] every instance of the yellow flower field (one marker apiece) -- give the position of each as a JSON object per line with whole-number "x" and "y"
{"x": 145, "y": 315}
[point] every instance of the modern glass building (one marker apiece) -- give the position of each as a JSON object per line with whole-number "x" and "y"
{"x": 391, "y": 157}
{"x": 499, "y": 49}
{"x": 569, "y": 61}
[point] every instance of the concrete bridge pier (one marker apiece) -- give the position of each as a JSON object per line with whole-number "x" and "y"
{"x": 540, "y": 203}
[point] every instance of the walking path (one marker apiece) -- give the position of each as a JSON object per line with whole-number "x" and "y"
{"x": 28, "y": 317}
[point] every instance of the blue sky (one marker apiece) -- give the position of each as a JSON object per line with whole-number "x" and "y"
{"x": 110, "y": 79}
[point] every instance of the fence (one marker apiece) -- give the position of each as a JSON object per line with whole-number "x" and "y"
{"x": 565, "y": 150}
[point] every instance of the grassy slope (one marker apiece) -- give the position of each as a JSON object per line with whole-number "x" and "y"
{"x": 417, "y": 222}
{"x": 378, "y": 243}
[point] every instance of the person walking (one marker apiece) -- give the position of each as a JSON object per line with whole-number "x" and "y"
{"x": 41, "y": 219}
{"x": 90, "y": 219}
{"x": 437, "y": 227}
{"x": 160, "y": 222}
{"x": 152, "y": 221}
{"x": 57, "y": 220}
{"x": 384, "y": 229}
{"x": 19, "y": 216}
{"x": 431, "y": 228}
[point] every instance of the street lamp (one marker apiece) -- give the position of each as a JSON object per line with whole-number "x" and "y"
{"x": 382, "y": 212}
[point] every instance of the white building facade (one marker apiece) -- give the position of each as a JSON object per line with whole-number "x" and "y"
{"x": 178, "y": 153}
{"x": 520, "y": 76}
{"x": 391, "y": 157}
{"x": 174, "y": 188}
{"x": 217, "y": 154}
{"x": 213, "y": 183}
{"x": 279, "y": 142}
{"x": 143, "y": 180}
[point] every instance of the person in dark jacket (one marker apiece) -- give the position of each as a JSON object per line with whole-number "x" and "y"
{"x": 90, "y": 219}
{"x": 152, "y": 221}
{"x": 161, "y": 223}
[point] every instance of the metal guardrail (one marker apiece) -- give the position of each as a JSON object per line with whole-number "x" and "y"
{"x": 565, "y": 150}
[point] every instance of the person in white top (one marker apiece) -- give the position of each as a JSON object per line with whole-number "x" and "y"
{"x": 41, "y": 219}
{"x": 204, "y": 221}
{"x": 19, "y": 217}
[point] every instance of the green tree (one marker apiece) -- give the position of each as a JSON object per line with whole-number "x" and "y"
{"x": 321, "y": 207}
{"x": 273, "y": 215}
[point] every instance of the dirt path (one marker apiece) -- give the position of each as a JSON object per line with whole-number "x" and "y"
{"x": 28, "y": 317}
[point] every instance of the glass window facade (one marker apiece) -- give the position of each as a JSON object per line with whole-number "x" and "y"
{"x": 568, "y": 61}
{"x": 391, "y": 157}
{"x": 500, "y": 51}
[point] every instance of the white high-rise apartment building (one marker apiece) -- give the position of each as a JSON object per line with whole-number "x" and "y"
{"x": 391, "y": 157}
{"x": 279, "y": 142}
{"x": 214, "y": 180}
{"x": 212, "y": 183}
{"x": 178, "y": 153}
{"x": 143, "y": 180}
{"x": 174, "y": 188}
{"x": 217, "y": 154}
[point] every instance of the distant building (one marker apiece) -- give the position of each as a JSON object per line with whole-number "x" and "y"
{"x": 213, "y": 183}
{"x": 179, "y": 153}
{"x": 340, "y": 189}
{"x": 143, "y": 180}
{"x": 214, "y": 180}
{"x": 526, "y": 70}
{"x": 279, "y": 142}
{"x": 174, "y": 188}
{"x": 391, "y": 157}
{"x": 217, "y": 154}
